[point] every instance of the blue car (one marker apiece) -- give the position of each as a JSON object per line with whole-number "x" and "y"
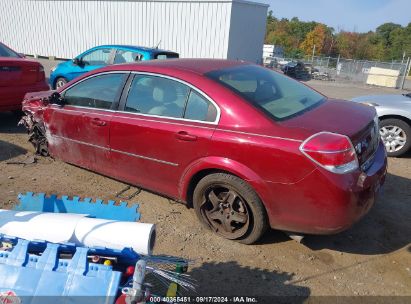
{"x": 101, "y": 56}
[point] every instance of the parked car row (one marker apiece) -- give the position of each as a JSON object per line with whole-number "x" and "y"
{"x": 19, "y": 75}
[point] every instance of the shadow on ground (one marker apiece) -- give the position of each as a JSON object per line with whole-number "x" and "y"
{"x": 231, "y": 279}
{"x": 9, "y": 150}
{"x": 385, "y": 229}
{"x": 8, "y": 122}
{"x": 273, "y": 236}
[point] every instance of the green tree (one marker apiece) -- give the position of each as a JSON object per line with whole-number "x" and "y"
{"x": 314, "y": 40}
{"x": 388, "y": 42}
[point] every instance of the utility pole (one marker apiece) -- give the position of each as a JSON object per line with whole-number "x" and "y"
{"x": 407, "y": 70}
{"x": 338, "y": 68}
{"x": 312, "y": 58}
{"x": 403, "y": 56}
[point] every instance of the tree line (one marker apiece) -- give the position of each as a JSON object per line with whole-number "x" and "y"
{"x": 388, "y": 42}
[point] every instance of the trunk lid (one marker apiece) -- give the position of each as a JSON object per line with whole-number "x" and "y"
{"x": 19, "y": 71}
{"x": 354, "y": 120}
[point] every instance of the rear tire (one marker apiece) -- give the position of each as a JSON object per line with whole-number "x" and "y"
{"x": 61, "y": 81}
{"x": 396, "y": 136}
{"x": 229, "y": 206}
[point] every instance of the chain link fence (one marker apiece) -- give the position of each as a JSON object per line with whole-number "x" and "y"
{"x": 390, "y": 74}
{"x": 360, "y": 71}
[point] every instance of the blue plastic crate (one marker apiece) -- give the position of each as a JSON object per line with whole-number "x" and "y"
{"x": 42, "y": 277}
{"x": 109, "y": 210}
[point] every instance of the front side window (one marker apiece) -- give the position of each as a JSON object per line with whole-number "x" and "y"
{"x": 127, "y": 57}
{"x": 156, "y": 96}
{"x": 278, "y": 95}
{"x": 97, "y": 57}
{"x": 97, "y": 92}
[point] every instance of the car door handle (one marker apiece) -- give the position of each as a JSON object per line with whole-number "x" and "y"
{"x": 98, "y": 122}
{"x": 183, "y": 135}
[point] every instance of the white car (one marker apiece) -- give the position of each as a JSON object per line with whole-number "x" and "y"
{"x": 394, "y": 112}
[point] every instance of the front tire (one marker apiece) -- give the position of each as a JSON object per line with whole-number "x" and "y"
{"x": 229, "y": 206}
{"x": 61, "y": 81}
{"x": 396, "y": 136}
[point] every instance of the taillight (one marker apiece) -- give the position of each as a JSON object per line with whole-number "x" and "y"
{"x": 334, "y": 152}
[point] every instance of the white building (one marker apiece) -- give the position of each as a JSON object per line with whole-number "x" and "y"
{"x": 231, "y": 29}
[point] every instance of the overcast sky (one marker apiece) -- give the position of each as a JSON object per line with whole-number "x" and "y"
{"x": 348, "y": 15}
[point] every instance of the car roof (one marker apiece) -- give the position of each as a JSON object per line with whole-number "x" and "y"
{"x": 198, "y": 66}
{"x": 133, "y": 47}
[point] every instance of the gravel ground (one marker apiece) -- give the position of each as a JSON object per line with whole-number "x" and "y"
{"x": 371, "y": 258}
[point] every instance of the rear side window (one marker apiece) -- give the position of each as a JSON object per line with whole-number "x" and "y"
{"x": 278, "y": 95}
{"x": 127, "y": 57}
{"x": 97, "y": 57}
{"x": 6, "y": 52}
{"x": 199, "y": 108}
{"x": 97, "y": 92}
{"x": 156, "y": 96}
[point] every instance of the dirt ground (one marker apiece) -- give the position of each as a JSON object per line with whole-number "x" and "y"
{"x": 372, "y": 258}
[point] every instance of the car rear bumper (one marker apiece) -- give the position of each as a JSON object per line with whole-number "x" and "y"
{"x": 326, "y": 203}
{"x": 12, "y": 97}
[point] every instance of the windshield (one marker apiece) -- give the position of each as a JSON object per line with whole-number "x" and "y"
{"x": 279, "y": 96}
{"x": 6, "y": 52}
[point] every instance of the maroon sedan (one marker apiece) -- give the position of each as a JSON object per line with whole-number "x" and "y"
{"x": 247, "y": 147}
{"x": 18, "y": 76}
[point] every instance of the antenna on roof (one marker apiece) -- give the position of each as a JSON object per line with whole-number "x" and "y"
{"x": 158, "y": 44}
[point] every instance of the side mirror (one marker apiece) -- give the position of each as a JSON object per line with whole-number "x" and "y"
{"x": 76, "y": 61}
{"x": 22, "y": 55}
{"x": 55, "y": 98}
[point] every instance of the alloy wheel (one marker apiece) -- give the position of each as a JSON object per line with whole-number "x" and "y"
{"x": 225, "y": 211}
{"x": 393, "y": 137}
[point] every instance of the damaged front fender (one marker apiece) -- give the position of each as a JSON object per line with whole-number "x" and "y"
{"x": 37, "y": 134}
{"x": 33, "y": 106}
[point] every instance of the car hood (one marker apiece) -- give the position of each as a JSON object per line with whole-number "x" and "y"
{"x": 62, "y": 64}
{"x": 337, "y": 116}
{"x": 384, "y": 100}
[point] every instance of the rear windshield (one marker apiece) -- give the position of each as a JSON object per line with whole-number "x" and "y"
{"x": 6, "y": 52}
{"x": 279, "y": 96}
{"x": 165, "y": 55}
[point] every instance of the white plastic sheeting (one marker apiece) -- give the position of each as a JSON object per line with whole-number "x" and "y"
{"x": 231, "y": 29}
{"x": 78, "y": 229}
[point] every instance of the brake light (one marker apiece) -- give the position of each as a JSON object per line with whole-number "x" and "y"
{"x": 334, "y": 152}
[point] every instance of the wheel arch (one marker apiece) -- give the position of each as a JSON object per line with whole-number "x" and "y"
{"x": 210, "y": 165}
{"x": 396, "y": 116}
